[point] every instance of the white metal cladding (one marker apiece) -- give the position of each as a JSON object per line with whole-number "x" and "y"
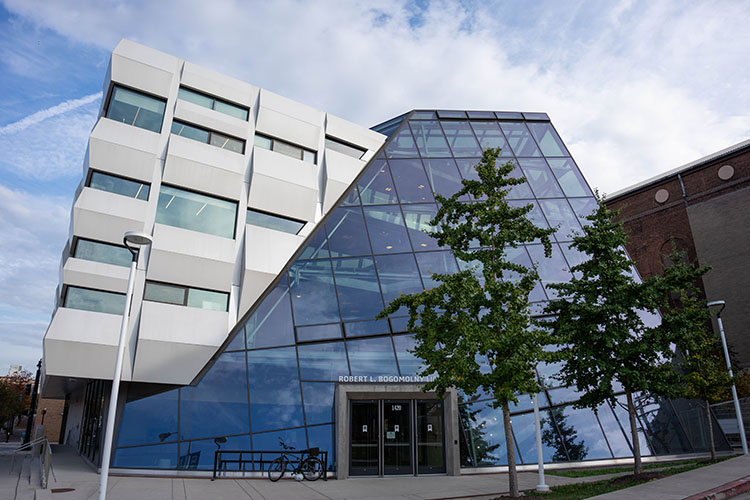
{"x": 170, "y": 343}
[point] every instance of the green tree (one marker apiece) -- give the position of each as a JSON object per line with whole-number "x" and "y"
{"x": 11, "y": 404}
{"x": 606, "y": 344}
{"x": 475, "y": 330}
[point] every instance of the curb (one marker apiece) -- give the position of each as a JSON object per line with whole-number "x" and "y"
{"x": 724, "y": 491}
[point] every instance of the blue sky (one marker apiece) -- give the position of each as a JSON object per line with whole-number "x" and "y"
{"x": 634, "y": 87}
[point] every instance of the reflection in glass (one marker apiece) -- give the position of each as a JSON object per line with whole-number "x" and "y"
{"x": 346, "y": 233}
{"x": 272, "y": 440}
{"x": 581, "y": 434}
{"x": 324, "y": 361}
{"x": 103, "y": 252}
{"x": 317, "y": 248}
{"x": 418, "y": 219}
{"x": 525, "y": 434}
{"x": 118, "y": 185}
{"x": 196, "y": 212}
{"x": 435, "y": 263}
{"x": 490, "y": 136}
{"x": 150, "y": 419}
{"x": 519, "y": 256}
{"x": 540, "y": 178}
{"x": 166, "y": 294}
{"x": 443, "y": 175}
{"x": 411, "y": 181}
{"x": 615, "y": 434}
{"x": 429, "y": 138}
{"x": 408, "y": 362}
{"x": 134, "y": 108}
{"x": 162, "y": 456}
{"x": 583, "y": 207}
{"x": 87, "y": 299}
{"x": 318, "y": 332}
{"x": 199, "y": 455}
{"x": 363, "y": 328}
{"x": 376, "y": 185}
{"x": 274, "y": 389}
{"x": 372, "y": 356}
{"x": 271, "y": 221}
{"x": 402, "y": 146}
{"x": 351, "y": 198}
{"x": 313, "y": 293}
{"x": 207, "y": 299}
{"x": 271, "y": 324}
{"x": 520, "y": 139}
{"x": 662, "y": 427}
{"x": 560, "y": 215}
{"x": 318, "y": 402}
{"x": 551, "y": 270}
{"x": 212, "y": 103}
{"x": 387, "y": 231}
{"x": 482, "y": 436}
{"x": 218, "y": 404}
{"x": 461, "y": 138}
{"x": 621, "y": 413}
{"x": 358, "y": 290}
{"x": 321, "y": 437}
{"x": 547, "y": 138}
{"x": 570, "y": 178}
{"x": 398, "y": 275}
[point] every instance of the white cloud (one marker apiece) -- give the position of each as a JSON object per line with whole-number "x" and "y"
{"x": 39, "y": 116}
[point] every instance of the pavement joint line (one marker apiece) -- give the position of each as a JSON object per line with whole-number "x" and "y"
{"x": 251, "y": 487}
{"x": 316, "y": 491}
{"x": 727, "y": 490}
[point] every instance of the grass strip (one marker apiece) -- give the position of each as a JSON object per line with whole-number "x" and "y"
{"x": 615, "y": 470}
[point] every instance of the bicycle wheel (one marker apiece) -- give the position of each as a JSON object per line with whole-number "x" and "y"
{"x": 312, "y": 468}
{"x": 276, "y": 469}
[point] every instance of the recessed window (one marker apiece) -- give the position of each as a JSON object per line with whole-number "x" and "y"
{"x": 271, "y": 221}
{"x": 135, "y": 108}
{"x": 186, "y": 296}
{"x": 197, "y": 212}
{"x": 102, "y": 252}
{"x": 119, "y": 185}
{"x": 347, "y": 149}
{"x": 210, "y": 102}
{"x": 87, "y": 299}
{"x": 208, "y": 137}
{"x": 285, "y": 148}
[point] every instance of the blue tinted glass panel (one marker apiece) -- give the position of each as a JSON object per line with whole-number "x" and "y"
{"x": 411, "y": 181}
{"x": 272, "y": 440}
{"x": 358, "y": 290}
{"x": 362, "y": 328}
{"x": 423, "y": 115}
{"x": 152, "y": 419}
{"x": 490, "y": 136}
{"x": 418, "y": 219}
{"x": 435, "y": 263}
{"x": 376, "y": 186}
{"x": 398, "y": 275}
{"x": 570, "y": 178}
{"x": 218, "y": 404}
{"x": 560, "y": 215}
{"x": 318, "y": 402}
{"x": 525, "y": 434}
{"x": 662, "y": 426}
{"x": 94, "y": 300}
{"x": 324, "y": 361}
{"x": 351, "y": 198}
{"x": 319, "y": 332}
{"x": 461, "y": 139}
{"x": 622, "y": 416}
{"x": 481, "y": 114}
{"x": 581, "y": 434}
{"x": 313, "y": 293}
{"x": 508, "y": 115}
{"x": 199, "y": 455}
{"x": 196, "y": 212}
{"x": 520, "y": 139}
{"x": 615, "y": 435}
{"x": 191, "y": 132}
{"x": 103, "y": 252}
{"x": 346, "y": 233}
{"x": 535, "y": 215}
{"x": 163, "y": 456}
{"x": 321, "y": 437}
{"x": 271, "y": 324}
{"x": 401, "y": 146}
{"x": 372, "y": 356}
{"x": 551, "y": 270}
{"x": 274, "y": 389}
{"x": 387, "y": 230}
{"x": 519, "y": 256}
{"x": 519, "y": 191}
{"x": 540, "y": 178}
{"x": 451, "y": 114}
{"x": 134, "y": 108}
{"x": 399, "y": 325}
{"x": 118, "y": 185}
{"x": 583, "y": 207}
{"x": 548, "y": 140}
{"x": 408, "y": 363}
{"x": 443, "y": 176}
{"x": 317, "y": 248}
{"x": 430, "y": 139}
{"x": 482, "y": 436}
{"x": 238, "y": 342}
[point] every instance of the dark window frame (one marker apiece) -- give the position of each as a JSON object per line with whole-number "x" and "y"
{"x": 271, "y": 214}
{"x": 274, "y": 140}
{"x": 111, "y": 91}
{"x": 215, "y": 100}
{"x": 77, "y": 239}
{"x": 209, "y": 195}
{"x": 210, "y": 134}
{"x": 68, "y": 286}
{"x": 92, "y": 171}
{"x": 362, "y": 150}
{"x": 186, "y": 289}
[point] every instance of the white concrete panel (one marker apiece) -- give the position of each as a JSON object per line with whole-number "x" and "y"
{"x": 289, "y": 120}
{"x": 204, "y": 168}
{"x": 353, "y": 133}
{"x": 341, "y": 170}
{"x": 97, "y": 275}
{"x": 191, "y": 258}
{"x": 143, "y": 68}
{"x": 81, "y": 344}
{"x": 212, "y": 120}
{"x": 123, "y": 149}
{"x": 283, "y": 185}
{"x": 104, "y": 216}
{"x": 266, "y": 253}
{"x": 175, "y": 342}
{"x": 291, "y": 108}
{"x": 218, "y": 85}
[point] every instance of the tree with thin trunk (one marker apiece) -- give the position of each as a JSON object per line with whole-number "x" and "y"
{"x": 607, "y": 325}
{"x": 474, "y": 330}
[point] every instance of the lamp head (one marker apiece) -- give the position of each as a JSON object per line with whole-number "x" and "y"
{"x": 136, "y": 239}
{"x": 717, "y": 303}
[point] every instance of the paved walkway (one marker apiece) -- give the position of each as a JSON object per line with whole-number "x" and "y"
{"x": 72, "y": 472}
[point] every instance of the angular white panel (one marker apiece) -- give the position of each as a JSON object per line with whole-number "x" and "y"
{"x": 175, "y": 342}
{"x": 341, "y": 170}
{"x": 191, "y": 258}
{"x": 216, "y": 84}
{"x": 283, "y": 185}
{"x": 354, "y": 134}
{"x": 143, "y": 68}
{"x": 266, "y": 253}
{"x": 204, "y": 168}
{"x": 104, "y": 216}
{"x": 97, "y": 275}
{"x": 289, "y": 121}
{"x": 210, "y": 119}
{"x": 123, "y": 149}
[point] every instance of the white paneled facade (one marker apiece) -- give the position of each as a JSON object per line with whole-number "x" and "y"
{"x": 175, "y": 163}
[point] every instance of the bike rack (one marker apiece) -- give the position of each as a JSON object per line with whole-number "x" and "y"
{"x": 258, "y": 460}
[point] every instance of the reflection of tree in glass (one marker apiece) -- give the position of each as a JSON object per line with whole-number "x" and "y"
{"x": 565, "y": 440}
{"x": 480, "y": 449}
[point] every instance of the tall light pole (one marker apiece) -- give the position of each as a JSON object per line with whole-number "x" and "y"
{"x": 134, "y": 241}
{"x": 740, "y": 426}
{"x": 541, "y": 487}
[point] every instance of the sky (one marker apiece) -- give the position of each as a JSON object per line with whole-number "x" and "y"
{"x": 635, "y": 88}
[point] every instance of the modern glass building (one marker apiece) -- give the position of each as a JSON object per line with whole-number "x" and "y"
{"x": 300, "y": 357}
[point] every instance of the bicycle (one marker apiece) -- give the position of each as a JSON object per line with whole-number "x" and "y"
{"x": 304, "y": 462}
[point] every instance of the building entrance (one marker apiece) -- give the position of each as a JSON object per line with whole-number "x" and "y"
{"x": 396, "y": 437}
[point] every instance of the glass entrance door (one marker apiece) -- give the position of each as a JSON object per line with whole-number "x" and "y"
{"x": 364, "y": 444}
{"x": 430, "y": 442}
{"x": 397, "y": 449}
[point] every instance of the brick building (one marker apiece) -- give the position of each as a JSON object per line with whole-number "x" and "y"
{"x": 705, "y": 207}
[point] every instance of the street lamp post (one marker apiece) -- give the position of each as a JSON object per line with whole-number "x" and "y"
{"x": 541, "y": 487}
{"x": 740, "y": 426}
{"x": 134, "y": 241}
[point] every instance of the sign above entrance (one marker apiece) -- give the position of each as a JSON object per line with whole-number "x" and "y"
{"x": 371, "y": 379}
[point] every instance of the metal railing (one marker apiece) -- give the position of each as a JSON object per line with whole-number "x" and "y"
{"x": 727, "y": 419}
{"x": 39, "y": 447}
{"x": 257, "y": 460}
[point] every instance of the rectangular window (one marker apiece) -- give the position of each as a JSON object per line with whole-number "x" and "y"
{"x": 94, "y": 300}
{"x": 208, "y": 137}
{"x": 186, "y": 296}
{"x": 209, "y": 102}
{"x": 119, "y": 185}
{"x": 271, "y": 221}
{"x": 135, "y": 108}
{"x": 197, "y": 212}
{"x": 285, "y": 148}
{"x": 102, "y": 252}
{"x": 347, "y": 149}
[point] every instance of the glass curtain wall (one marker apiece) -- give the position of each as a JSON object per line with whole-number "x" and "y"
{"x": 276, "y": 377}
